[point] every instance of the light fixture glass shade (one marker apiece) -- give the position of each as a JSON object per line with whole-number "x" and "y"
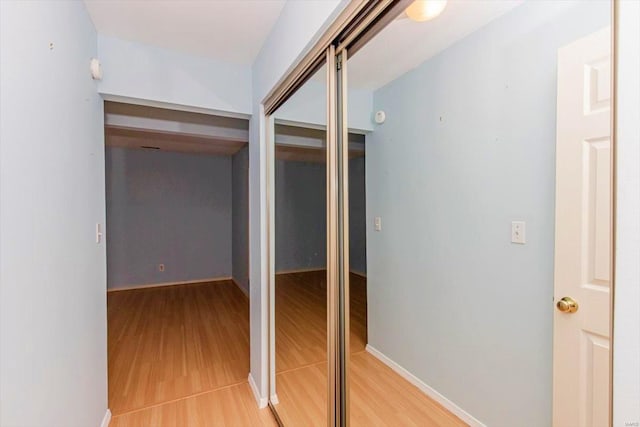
{"x": 424, "y": 10}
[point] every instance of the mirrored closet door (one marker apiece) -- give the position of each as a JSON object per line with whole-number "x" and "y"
{"x": 298, "y": 168}
{"x": 487, "y": 215}
{"x": 467, "y": 219}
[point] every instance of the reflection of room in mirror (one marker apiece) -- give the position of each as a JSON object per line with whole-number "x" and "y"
{"x": 299, "y": 257}
{"x": 476, "y": 108}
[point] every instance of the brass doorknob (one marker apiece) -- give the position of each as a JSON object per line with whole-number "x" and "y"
{"x": 567, "y": 305}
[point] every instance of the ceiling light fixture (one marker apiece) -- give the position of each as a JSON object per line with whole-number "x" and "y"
{"x": 425, "y": 10}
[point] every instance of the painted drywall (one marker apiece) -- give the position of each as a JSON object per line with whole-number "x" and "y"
{"x": 626, "y": 344}
{"x": 167, "y": 208}
{"x": 300, "y": 216}
{"x": 144, "y": 72}
{"x": 299, "y": 25}
{"x": 357, "y": 216}
{"x": 308, "y": 105}
{"x": 467, "y": 147}
{"x": 53, "y": 342}
{"x": 240, "y": 219}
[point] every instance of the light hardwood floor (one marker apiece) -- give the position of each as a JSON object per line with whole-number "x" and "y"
{"x": 179, "y": 356}
{"x": 228, "y": 406}
{"x": 378, "y": 395}
{"x": 301, "y": 318}
{"x": 172, "y": 343}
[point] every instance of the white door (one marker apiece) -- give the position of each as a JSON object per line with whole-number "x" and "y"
{"x": 581, "y": 342}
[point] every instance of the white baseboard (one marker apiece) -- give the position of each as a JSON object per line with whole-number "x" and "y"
{"x": 311, "y": 270}
{"x": 262, "y": 401}
{"x": 301, "y": 270}
{"x": 158, "y": 285}
{"x": 433, "y": 394}
{"x": 244, "y": 291}
{"x": 274, "y": 399}
{"x": 106, "y": 419}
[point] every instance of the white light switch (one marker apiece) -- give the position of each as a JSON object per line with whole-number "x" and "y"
{"x": 98, "y": 233}
{"x": 518, "y": 232}
{"x": 377, "y": 223}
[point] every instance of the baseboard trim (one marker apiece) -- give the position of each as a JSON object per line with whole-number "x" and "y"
{"x": 262, "y": 401}
{"x": 106, "y": 419}
{"x": 274, "y": 399}
{"x": 312, "y": 270}
{"x": 244, "y": 291}
{"x": 426, "y": 389}
{"x": 301, "y": 270}
{"x": 163, "y": 284}
{"x": 358, "y": 273}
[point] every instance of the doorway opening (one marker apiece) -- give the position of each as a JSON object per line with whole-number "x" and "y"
{"x": 177, "y": 257}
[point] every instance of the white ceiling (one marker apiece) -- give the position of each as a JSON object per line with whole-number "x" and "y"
{"x": 234, "y": 31}
{"x": 405, "y": 44}
{"x": 227, "y": 30}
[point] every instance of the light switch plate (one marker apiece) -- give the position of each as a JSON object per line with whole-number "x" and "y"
{"x": 518, "y": 232}
{"x": 98, "y": 233}
{"x": 377, "y": 223}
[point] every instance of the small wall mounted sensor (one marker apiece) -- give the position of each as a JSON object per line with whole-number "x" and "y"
{"x": 96, "y": 69}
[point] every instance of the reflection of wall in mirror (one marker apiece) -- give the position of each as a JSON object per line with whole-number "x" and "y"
{"x": 441, "y": 269}
{"x": 300, "y": 210}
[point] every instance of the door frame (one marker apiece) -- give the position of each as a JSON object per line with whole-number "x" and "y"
{"x": 167, "y": 106}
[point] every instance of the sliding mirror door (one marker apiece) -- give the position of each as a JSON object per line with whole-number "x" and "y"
{"x": 480, "y": 254}
{"x": 299, "y": 275}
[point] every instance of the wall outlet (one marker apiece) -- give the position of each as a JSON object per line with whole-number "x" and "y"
{"x": 377, "y": 223}
{"x": 160, "y": 267}
{"x": 518, "y": 232}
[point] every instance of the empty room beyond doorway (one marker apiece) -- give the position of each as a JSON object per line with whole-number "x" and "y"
{"x": 177, "y": 267}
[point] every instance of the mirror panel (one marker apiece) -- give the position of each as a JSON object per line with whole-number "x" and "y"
{"x": 299, "y": 386}
{"x": 487, "y": 201}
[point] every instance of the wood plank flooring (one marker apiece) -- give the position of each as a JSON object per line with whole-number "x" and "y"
{"x": 301, "y": 318}
{"x": 172, "y": 342}
{"x": 379, "y": 396}
{"x": 179, "y": 356}
{"x": 229, "y": 406}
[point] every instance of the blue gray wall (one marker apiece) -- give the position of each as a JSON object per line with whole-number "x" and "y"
{"x": 357, "y": 216}
{"x": 141, "y": 71}
{"x": 169, "y": 208}
{"x": 240, "y": 221}
{"x": 301, "y": 225}
{"x": 467, "y": 147}
{"x": 53, "y": 322}
{"x": 300, "y": 216}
